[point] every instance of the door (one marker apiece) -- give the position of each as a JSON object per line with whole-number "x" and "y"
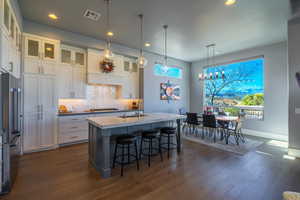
{"x": 79, "y": 82}
{"x": 31, "y": 113}
{"x": 64, "y": 81}
{"x": 48, "y": 110}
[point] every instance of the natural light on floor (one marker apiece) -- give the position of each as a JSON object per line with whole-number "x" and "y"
{"x": 277, "y": 143}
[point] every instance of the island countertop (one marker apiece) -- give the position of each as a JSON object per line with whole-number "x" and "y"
{"x": 107, "y": 122}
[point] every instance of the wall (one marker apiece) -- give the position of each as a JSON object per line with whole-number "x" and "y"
{"x": 275, "y": 123}
{"x": 152, "y": 102}
{"x": 294, "y": 90}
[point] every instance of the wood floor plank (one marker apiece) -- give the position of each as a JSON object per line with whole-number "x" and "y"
{"x": 199, "y": 172}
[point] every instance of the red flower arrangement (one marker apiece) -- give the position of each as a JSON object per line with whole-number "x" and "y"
{"x": 107, "y": 66}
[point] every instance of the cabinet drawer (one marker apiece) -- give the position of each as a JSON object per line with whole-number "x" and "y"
{"x": 73, "y": 137}
{"x": 70, "y": 119}
{"x": 73, "y": 126}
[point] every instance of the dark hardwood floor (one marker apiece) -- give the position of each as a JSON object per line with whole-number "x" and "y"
{"x": 200, "y": 172}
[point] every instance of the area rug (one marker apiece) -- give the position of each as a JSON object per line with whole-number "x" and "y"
{"x": 242, "y": 149}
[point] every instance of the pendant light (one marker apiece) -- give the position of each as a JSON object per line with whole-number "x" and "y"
{"x": 108, "y": 54}
{"x": 165, "y": 65}
{"x": 142, "y": 61}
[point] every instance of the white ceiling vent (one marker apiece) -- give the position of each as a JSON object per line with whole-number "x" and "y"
{"x": 93, "y": 15}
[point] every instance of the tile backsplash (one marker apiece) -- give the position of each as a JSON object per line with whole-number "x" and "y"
{"x": 97, "y": 96}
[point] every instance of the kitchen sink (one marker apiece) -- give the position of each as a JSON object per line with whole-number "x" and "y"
{"x": 132, "y": 116}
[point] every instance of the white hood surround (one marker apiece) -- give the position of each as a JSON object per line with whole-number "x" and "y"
{"x": 127, "y": 81}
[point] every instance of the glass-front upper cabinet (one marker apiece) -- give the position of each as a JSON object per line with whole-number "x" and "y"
{"x": 79, "y": 58}
{"x": 33, "y": 46}
{"x": 73, "y": 56}
{"x": 40, "y": 48}
{"x": 66, "y": 57}
{"x": 49, "y": 51}
{"x": 6, "y": 15}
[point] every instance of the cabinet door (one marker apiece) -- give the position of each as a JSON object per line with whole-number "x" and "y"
{"x": 47, "y": 129}
{"x": 64, "y": 81}
{"x": 32, "y": 62}
{"x": 5, "y": 45}
{"x": 6, "y": 15}
{"x": 48, "y": 67}
{"x": 31, "y": 113}
{"x": 31, "y": 140}
{"x": 49, "y": 51}
{"x": 79, "y": 82}
{"x": 32, "y": 65}
{"x": 66, "y": 56}
{"x": 17, "y": 67}
{"x": 31, "y": 93}
{"x": 47, "y": 98}
{"x": 79, "y": 59}
{"x": 33, "y": 47}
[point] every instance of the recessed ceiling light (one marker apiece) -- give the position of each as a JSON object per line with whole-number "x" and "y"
{"x": 230, "y": 2}
{"x": 110, "y": 33}
{"x": 147, "y": 44}
{"x": 53, "y": 16}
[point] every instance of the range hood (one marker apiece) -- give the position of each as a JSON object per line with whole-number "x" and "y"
{"x": 95, "y": 74}
{"x": 125, "y": 74}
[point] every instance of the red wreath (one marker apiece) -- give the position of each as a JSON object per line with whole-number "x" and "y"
{"x": 107, "y": 66}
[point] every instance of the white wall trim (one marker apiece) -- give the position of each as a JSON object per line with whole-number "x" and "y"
{"x": 267, "y": 135}
{"x": 294, "y": 152}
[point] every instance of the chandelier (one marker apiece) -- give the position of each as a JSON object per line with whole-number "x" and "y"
{"x": 210, "y": 59}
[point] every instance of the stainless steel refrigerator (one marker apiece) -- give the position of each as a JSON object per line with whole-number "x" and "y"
{"x": 10, "y": 126}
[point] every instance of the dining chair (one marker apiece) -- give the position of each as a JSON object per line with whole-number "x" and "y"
{"x": 236, "y": 131}
{"x": 210, "y": 123}
{"x": 192, "y": 122}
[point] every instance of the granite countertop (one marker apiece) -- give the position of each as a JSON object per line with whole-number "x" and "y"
{"x": 95, "y": 112}
{"x": 116, "y": 121}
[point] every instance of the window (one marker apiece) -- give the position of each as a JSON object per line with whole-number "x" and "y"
{"x": 240, "y": 90}
{"x": 172, "y": 72}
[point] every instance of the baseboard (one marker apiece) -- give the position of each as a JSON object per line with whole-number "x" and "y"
{"x": 267, "y": 135}
{"x": 294, "y": 152}
{"x": 41, "y": 149}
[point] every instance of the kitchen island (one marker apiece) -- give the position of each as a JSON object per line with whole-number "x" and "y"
{"x": 103, "y": 130}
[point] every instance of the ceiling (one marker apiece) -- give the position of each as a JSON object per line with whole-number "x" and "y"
{"x": 193, "y": 24}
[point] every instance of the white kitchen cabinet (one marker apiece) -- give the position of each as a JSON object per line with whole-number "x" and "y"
{"x": 10, "y": 57}
{"x": 71, "y": 76}
{"x": 73, "y": 129}
{"x": 79, "y": 82}
{"x": 74, "y": 56}
{"x": 40, "y": 55}
{"x": 40, "y": 104}
{"x": 31, "y": 138}
{"x": 64, "y": 81}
